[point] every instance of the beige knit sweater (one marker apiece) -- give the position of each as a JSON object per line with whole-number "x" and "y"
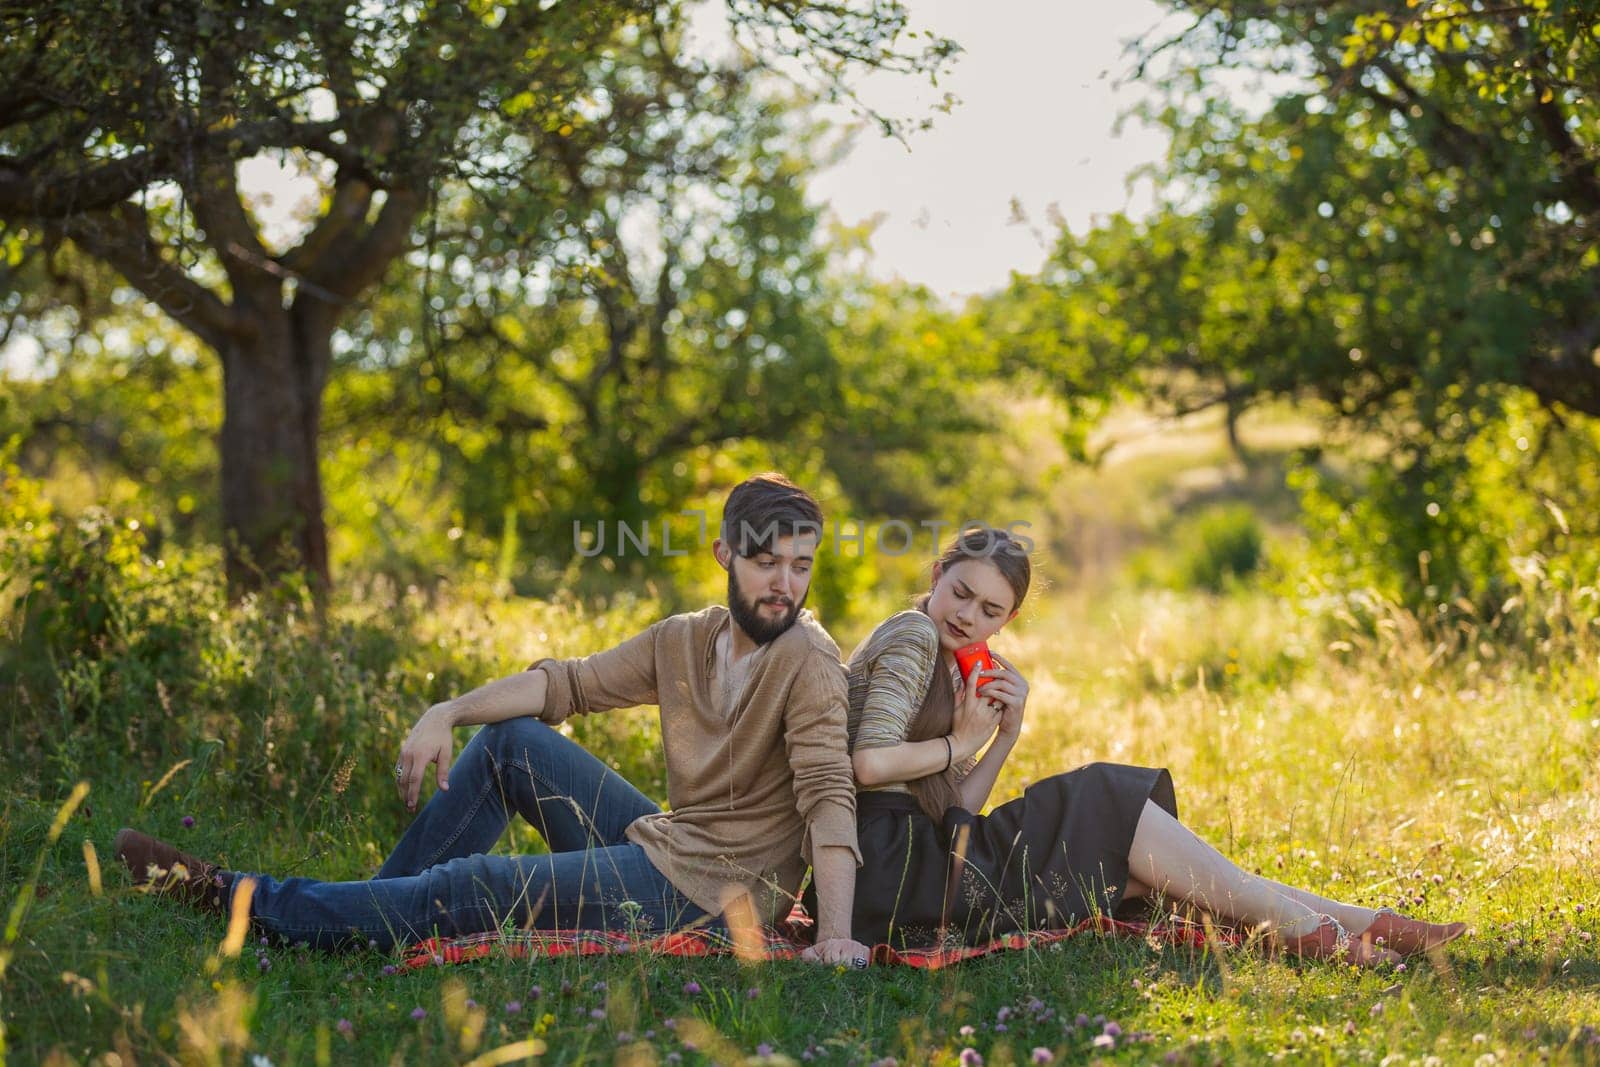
{"x": 751, "y": 793}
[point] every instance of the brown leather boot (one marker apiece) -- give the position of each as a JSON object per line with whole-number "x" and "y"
{"x": 161, "y": 868}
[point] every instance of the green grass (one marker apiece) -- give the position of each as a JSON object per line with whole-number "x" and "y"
{"x": 1459, "y": 790}
{"x": 1449, "y": 767}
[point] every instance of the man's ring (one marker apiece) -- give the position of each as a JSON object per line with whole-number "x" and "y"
{"x": 860, "y": 963}
{"x": 398, "y": 770}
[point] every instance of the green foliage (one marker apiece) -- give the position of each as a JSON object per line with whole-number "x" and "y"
{"x": 1211, "y": 549}
{"x": 1218, "y": 547}
{"x": 1501, "y": 537}
{"x": 1397, "y": 241}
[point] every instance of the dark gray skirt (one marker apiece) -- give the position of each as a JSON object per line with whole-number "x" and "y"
{"x": 1046, "y": 860}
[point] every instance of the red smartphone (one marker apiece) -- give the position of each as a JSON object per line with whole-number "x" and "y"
{"x": 974, "y": 657}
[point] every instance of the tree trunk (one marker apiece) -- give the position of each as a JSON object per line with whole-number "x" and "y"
{"x": 271, "y": 483}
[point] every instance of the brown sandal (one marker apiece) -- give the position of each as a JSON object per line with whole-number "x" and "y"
{"x": 1409, "y": 936}
{"x": 1331, "y": 941}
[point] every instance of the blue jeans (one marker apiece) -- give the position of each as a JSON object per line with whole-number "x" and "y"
{"x": 439, "y": 879}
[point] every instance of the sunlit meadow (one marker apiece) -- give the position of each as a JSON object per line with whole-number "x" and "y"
{"x": 1333, "y": 743}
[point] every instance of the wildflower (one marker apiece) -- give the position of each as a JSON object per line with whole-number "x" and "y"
{"x": 1298, "y": 1037}
{"x": 763, "y": 1050}
{"x": 419, "y": 1014}
{"x": 513, "y": 1006}
{"x": 970, "y": 1058}
{"x": 692, "y": 988}
{"x": 188, "y": 822}
{"x": 670, "y": 1024}
{"x": 389, "y": 969}
{"x": 1042, "y": 1055}
{"x": 344, "y": 1027}
{"x": 1104, "y": 1041}
{"x": 966, "y": 1031}
{"x": 673, "y": 1057}
{"x": 752, "y": 993}
{"x": 1001, "y": 1028}
{"x": 534, "y": 993}
{"x": 471, "y": 1003}
{"x": 1081, "y": 1020}
{"x": 597, "y": 1013}
{"x": 624, "y": 1036}
{"x": 1112, "y": 1030}
{"x": 1002, "y": 1015}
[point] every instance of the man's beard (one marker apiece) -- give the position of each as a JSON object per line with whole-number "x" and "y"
{"x": 757, "y": 627}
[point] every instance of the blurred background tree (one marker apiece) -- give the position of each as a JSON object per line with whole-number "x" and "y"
{"x": 1402, "y": 240}
{"x": 125, "y": 125}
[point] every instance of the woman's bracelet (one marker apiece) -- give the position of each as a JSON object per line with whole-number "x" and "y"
{"x": 949, "y": 753}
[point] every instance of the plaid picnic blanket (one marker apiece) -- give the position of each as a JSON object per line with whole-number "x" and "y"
{"x": 781, "y": 943}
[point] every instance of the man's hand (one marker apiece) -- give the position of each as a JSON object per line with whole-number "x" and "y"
{"x": 838, "y": 950}
{"x": 430, "y": 741}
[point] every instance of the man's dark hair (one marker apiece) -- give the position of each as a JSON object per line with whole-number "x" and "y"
{"x": 764, "y": 508}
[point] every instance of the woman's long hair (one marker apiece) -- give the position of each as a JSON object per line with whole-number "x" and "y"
{"x": 936, "y": 792}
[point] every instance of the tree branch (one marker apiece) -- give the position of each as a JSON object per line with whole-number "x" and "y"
{"x": 121, "y": 238}
{"x": 25, "y": 192}
{"x": 346, "y": 270}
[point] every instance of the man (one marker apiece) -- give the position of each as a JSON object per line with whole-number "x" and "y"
{"x": 752, "y": 700}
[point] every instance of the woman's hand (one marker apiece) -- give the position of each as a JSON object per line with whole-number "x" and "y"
{"x": 1008, "y": 690}
{"x": 431, "y": 741}
{"x": 974, "y": 721}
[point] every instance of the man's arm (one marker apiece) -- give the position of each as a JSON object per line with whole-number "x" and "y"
{"x": 815, "y": 736}
{"x": 432, "y": 740}
{"x": 550, "y": 690}
{"x": 833, "y": 868}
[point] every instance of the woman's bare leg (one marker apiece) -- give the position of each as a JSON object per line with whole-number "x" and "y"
{"x": 1352, "y": 918}
{"x": 1168, "y": 858}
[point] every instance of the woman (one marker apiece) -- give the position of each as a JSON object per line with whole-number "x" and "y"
{"x": 1071, "y": 846}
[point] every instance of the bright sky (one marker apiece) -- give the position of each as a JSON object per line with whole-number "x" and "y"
{"x": 1040, "y": 98}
